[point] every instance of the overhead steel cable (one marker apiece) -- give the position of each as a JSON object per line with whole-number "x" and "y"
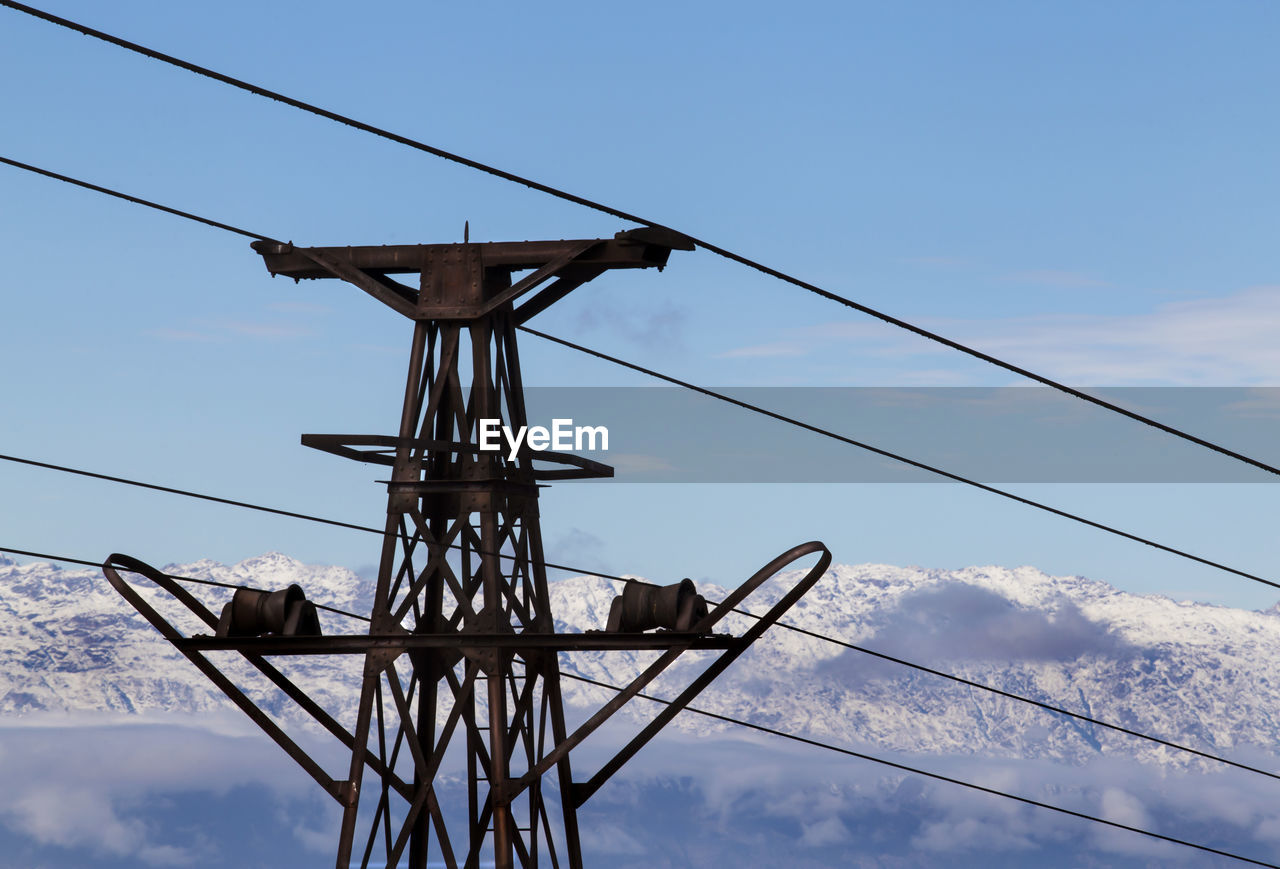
{"x": 317, "y": 110}
{"x": 760, "y": 728}
{"x": 722, "y": 397}
{"x": 769, "y": 730}
{"x": 1049, "y": 707}
{"x": 1058, "y": 710}
{"x": 134, "y": 199}
{"x": 815, "y": 743}
{"x": 898, "y": 457}
{"x": 187, "y": 493}
{"x": 45, "y": 556}
{"x": 566, "y": 196}
{"x": 818, "y": 290}
{"x": 369, "y": 529}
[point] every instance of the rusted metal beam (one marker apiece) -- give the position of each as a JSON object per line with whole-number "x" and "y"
{"x": 615, "y": 253}
{"x": 592, "y": 641}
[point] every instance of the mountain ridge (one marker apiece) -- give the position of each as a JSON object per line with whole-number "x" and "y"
{"x": 1188, "y": 672}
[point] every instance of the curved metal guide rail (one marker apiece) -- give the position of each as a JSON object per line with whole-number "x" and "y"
{"x": 255, "y": 650}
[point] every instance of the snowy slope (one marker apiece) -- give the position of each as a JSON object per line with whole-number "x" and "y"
{"x": 1193, "y": 673}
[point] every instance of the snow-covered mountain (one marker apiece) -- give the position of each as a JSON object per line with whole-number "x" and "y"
{"x": 1192, "y": 673}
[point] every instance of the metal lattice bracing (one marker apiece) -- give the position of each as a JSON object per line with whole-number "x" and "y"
{"x": 461, "y": 653}
{"x": 448, "y": 498}
{"x": 453, "y": 512}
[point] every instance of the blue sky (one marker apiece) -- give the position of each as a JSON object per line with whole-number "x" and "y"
{"x": 1086, "y": 189}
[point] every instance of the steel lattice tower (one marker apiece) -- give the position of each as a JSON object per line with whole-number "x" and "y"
{"x": 446, "y": 492}
{"x": 461, "y": 652}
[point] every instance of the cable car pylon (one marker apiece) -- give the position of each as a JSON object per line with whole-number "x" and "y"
{"x": 461, "y": 652}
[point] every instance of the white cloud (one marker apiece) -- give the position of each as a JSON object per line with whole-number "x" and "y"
{"x": 609, "y": 838}
{"x": 79, "y": 785}
{"x": 828, "y": 831}
{"x": 751, "y": 799}
{"x": 756, "y": 789}
{"x": 972, "y": 834}
{"x": 1222, "y": 341}
{"x": 1123, "y": 808}
{"x": 57, "y": 815}
{"x": 1205, "y": 342}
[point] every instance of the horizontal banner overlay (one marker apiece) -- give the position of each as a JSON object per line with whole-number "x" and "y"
{"x": 989, "y": 434}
